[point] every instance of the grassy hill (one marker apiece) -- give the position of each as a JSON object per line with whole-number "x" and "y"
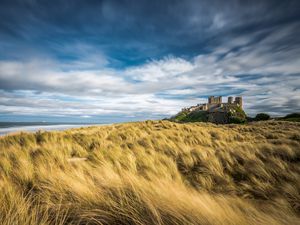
{"x": 153, "y": 172}
{"x": 195, "y": 116}
{"x": 235, "y": 115}
{"x": 293, "y": 117}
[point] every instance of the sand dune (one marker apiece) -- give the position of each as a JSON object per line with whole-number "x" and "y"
{"x": 153, "y": 172}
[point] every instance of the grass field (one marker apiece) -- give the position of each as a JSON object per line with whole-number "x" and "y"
{"x": 153, "y": 172}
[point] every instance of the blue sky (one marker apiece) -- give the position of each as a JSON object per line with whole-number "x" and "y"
{"x": 113, "y": 61}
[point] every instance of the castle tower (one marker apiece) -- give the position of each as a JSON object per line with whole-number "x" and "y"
{"x": 230, "y": 99}
{"x": 211, "y": 100}
{"x": 239, "y": 101}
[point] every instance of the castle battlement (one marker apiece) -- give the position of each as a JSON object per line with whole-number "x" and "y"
{"x": 215, "y": 104}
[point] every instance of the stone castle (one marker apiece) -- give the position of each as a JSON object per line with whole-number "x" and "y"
{"x": 215, "y": 104}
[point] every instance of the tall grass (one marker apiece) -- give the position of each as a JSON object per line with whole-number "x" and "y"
{"x": 153, "y": 172}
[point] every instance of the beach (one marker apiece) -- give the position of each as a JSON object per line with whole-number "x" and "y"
{"x": 34, "y": 128}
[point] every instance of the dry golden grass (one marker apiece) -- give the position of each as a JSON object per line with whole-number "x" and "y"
{"x": 153, "y": 172}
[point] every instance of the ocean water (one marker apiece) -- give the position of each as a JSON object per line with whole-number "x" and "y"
{"x": 6, "y": 128}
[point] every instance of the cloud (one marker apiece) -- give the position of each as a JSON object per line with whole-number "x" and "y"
{"x": 268, "y": 80}
{"x": 154, "y": 71}
{"x": 148, "y": 59}
{"x": 134, "y": 32}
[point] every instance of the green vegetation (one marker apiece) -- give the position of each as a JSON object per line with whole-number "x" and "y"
{"x": 195, "y": 116}
{"x": 294, "y": 117}
{"x": 153, "y": 172}
{"x": 236, "y": 120}
{"x": 235, "y": 114}
{"x": 262, "y": 116}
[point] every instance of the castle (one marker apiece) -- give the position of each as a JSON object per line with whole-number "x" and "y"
{"x": 215, "y": 104}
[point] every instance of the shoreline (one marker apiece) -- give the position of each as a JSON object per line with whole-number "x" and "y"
{"x": 34, "y": 128}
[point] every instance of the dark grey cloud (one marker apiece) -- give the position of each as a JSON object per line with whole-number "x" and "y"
{"x": 132, "y": 31}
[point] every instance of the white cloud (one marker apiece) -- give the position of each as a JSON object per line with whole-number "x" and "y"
{"x": 166, "y": 68}
{"x": 266, "y": 75}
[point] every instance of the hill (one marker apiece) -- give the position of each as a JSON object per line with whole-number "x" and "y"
{"x": 194, "y": 116}
{"x": 232, "y": 114}
{"x": 293, "y": 117}
{"x": 153, "y": 172}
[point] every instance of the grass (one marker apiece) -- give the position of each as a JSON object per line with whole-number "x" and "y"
{"x": 194, "y": 116}
{"x": 153, "y": 172}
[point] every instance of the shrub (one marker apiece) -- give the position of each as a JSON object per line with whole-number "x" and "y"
{"x": 262, "y": 116}
{"x": 250, "y": 119}
{"x": 237, "y": 120}
{"x": 40, "y": 137}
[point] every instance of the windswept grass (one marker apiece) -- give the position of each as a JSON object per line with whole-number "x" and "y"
{"x": 153, "y": 172}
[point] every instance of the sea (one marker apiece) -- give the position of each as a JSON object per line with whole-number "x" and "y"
{"x": 14, "y": 127}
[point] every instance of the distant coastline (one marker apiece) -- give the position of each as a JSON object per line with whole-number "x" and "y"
{"x": 13, "y": 127}
{"x": 19, "y": 124}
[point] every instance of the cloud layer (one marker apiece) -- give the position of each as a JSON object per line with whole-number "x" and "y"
{"x": 116, "y": 59}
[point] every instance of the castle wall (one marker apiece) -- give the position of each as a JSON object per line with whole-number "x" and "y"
{"x": 215, "y": 104}
{"x": 214, "y": 100}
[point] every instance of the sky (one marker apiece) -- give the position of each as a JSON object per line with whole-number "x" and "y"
{"x": 124, "y": 60}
